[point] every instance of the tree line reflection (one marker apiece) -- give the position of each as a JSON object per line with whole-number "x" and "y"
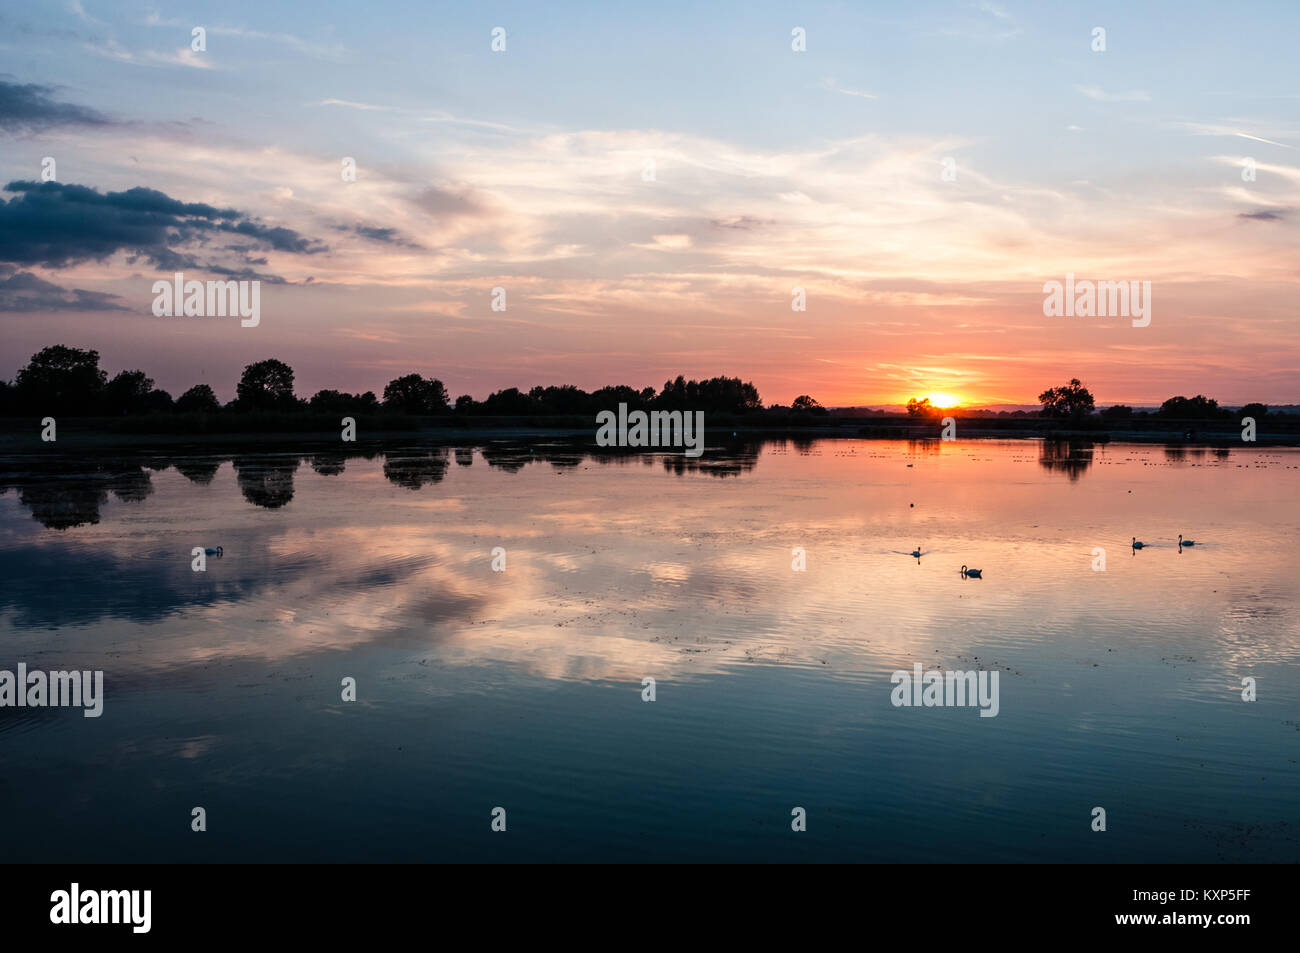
{"x": 63, "y": 492}
{"x": 68, "y": 491}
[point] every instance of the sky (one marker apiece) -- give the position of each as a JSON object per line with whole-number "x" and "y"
{"x": 650, "y": 183}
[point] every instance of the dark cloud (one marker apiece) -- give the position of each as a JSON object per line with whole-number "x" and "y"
{"x": 742, "y": 223}
{"x": 24, "y": 292}
{"x": 31, "y": 107}
{"x": 1263, "y": 215}
{"x": 56, "y": 224}
{"x": 386, "y": 236}
{"x": 449, "y": 203}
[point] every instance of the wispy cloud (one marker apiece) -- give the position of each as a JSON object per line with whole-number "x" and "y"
{"x": 834, "y": 87}
{"x": 1097, "y": 94}
{"x": 1218, "y": 129}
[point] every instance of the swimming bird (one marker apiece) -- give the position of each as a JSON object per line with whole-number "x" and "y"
{"x": 1137, "y": 544}
{"x": 916, "y": 552}
{"x": 976, "y": 573}
{"x": 1185, "y": 542}
{"x": 213, "y": 552}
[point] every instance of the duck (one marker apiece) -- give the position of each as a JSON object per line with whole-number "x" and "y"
{"x": 1137, "y": 543}
{"x": 1185, "y": 542}
{"x": 217, "y": 551}
{"x": 975, "y": 573}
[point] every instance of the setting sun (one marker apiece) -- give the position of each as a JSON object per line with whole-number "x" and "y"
{"x": 943, "y": 400}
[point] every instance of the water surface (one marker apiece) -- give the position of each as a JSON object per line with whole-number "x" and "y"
{"x": 523, "y": 688}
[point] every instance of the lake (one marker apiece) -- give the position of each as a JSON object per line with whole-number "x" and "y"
{"x": 765, "y": 587}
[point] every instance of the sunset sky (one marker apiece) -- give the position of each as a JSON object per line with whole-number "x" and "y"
{"x": 525, "y": 169}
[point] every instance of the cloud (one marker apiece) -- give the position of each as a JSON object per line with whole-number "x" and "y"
{"x": 364, "y": 107}
{"x": 1215, "y": 129}
{"x": 30, "y": 107}
{"x": 24, "y": 292}
{"x": 1263, "y": 215}
{"x": 449, "y": 202}
{"x": 830, "y": 84}
{"x": 383, "y": 235}
{"x": 55, "y": 225}
{"x": 1100, "y": 95}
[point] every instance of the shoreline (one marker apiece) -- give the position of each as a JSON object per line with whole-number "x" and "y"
{"x": 81, "y": 434}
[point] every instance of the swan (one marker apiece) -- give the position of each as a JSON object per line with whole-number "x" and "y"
{"x": 1185, "y": 542}
{"x": 916, "y": 552}
{"x": 976, "y": 573}
{"x": 1137, "y": 544}
{"x": 213, "y": 552}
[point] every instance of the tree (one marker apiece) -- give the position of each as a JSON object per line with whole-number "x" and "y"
{"x": 128, "y": 393}
{"x": 414, "y": 394}
{"x": 507, "y": 403}
{"x": 920, "y": 408}
{"x": 1118, "y": 412}
{"x": 266, "y": 385}
{"x": 199, "y": 399}
{"x": 1189, "y": 408}
{"x": 1258, "y": 411}
{"x": 340, "y": 402}
{"x": 717, "y": 394}
{"x": 465, "y": 405}
{"x": 804, "y": 403}
{"x": 1073, "y": 401}
{"x": 158, "y": 402}
{"x": 61, "y": 379}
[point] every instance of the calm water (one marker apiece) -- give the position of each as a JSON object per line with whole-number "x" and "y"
{"x": 522, "y": 688}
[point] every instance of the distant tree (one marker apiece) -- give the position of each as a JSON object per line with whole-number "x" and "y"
{"x": 339, "y": 402}
{"x": 465, "y": 405}
{"x": 61, "y": 379}
{"x": 1073, "y": 401}
{"x": 920, "y": 408}
{"x": 806, "y": 404}
{"x": 720, "y": 394}
{"x": 1117, "y": 412}
{"x": 128, "y": 393}
{"x": 1258, "y": 411}
{"x": 1189, "y": 408}
{"x": 508, "y": 403}
{"x": 199, "y": 399}
{"x": 565, "y": 399}
{"x": 610, "y": 396}
{"x": 266, "y": 385}
{"x": 159, "y": 402}
{"x": 414, "y": 394}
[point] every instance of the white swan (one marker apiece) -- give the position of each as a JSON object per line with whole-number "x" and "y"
{"x": 976, "y": 573}
{"x": 916, "y": 552}
{"x": 213, "y": 552}
{"x": 1185, "y": 542}
{"x": 1137, "y": 544}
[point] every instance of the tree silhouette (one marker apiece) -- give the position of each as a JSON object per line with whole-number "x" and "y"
{"x": 1073, "y": 401}
{"x": 128, "y": 393}
{"x": 198, "y": 399}
{"x": 61, "y": 379}
{"x": 266, "y": 385}
{"x": 807, "y": 404}
{"x": 414, "y": 394}
{"x": 1189, "y": 408}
